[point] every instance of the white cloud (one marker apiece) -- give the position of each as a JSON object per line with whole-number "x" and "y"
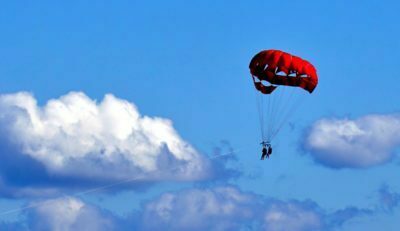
{"x": 228, "y": 208}
{"x": 292, "y": 217}
{"x": 68, "y": 213}
{"x": 75, "y": 136}
{"x": 223, "y": 208}
{"x": 363, "y": 142}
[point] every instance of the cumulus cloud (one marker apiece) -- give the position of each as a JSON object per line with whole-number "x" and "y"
{"x": 345, "y": 143}
{"x": 299, "y": 216}
{"x": 67, "y": 213}
{"x": 217, "y": 208}
{"x": 223, "y": 208}
{"x": 74, "y": 139}
{"x": 228, "y": 208}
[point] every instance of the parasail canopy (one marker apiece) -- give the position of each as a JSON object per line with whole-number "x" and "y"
{"x": 281, "y": 68}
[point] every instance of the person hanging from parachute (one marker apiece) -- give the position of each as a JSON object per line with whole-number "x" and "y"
{"x": 266, "y": 150}
{"x": 271, "y": 69}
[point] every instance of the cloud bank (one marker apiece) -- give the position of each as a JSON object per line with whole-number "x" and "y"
{"x": 218, "y": 208}
{"x": 344, "y": 143}
{"x": 74, "y": 139}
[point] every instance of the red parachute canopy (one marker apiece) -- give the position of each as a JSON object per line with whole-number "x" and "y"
{"x": 268, "y": 63}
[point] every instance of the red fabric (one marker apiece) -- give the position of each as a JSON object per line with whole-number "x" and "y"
{"x": 264, "y": 89}
{"x": 266, "y": 65}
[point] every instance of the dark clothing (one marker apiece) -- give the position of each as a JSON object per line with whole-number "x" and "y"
{"x": 264, "y": 153}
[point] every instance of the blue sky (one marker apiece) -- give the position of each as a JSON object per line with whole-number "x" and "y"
{"x": 182, "y": 69}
